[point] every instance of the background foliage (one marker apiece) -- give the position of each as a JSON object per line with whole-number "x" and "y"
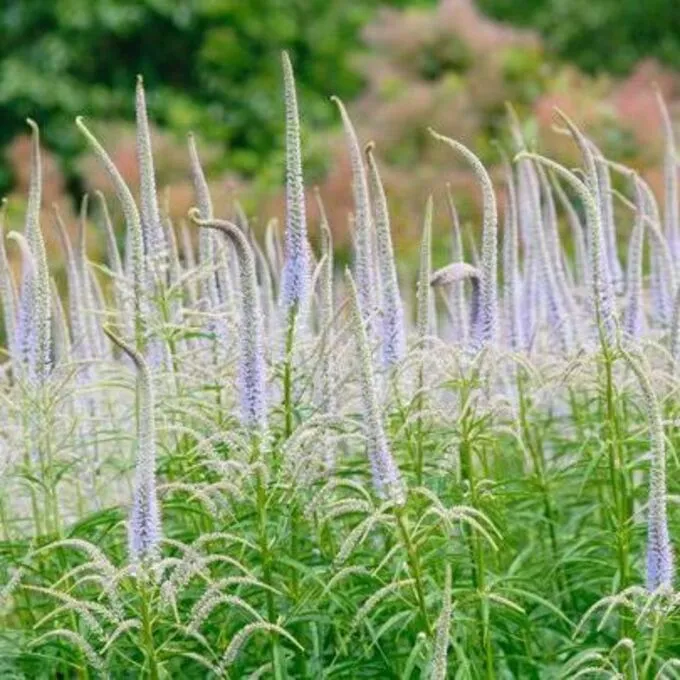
{"x": 209, "y": 65}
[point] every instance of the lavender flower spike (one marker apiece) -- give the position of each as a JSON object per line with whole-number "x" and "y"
{"x": 511, "y": 278}
{"x": 670, "y": 170}
{"x": 363, "y": 257}
{"x": 424, "y": 295}
{"x": 144, "y": 528}
{"x": 659, "y": 551}
{"x": 8, "y": 293}
{"x": 134, "y": 228}
{"x": 296, "y": 274}
{"x": 602, "y": 302}
{"x": 328, "y": 382}
{"x": 152, "y": 229}
{"x": 634, "y": 313}
{"x": 386, "y": 478}
{"x": 24, "y": 341}
{"x": 41, "y": 307}
{"x": 251, "y": 367}
{"x": 210, "y": 291}
{"x": 485, "y": 331}
{"x": 393, "y": 340}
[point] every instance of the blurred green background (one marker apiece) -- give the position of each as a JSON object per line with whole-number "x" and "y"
{"x": 212, "y": 66}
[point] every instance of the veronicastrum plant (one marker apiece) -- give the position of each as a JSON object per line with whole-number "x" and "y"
{"x": 220, "y": 459}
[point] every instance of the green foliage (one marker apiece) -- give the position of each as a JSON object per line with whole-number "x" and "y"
{"x": 601, "y": 35}
{"x": 210, "y": 64}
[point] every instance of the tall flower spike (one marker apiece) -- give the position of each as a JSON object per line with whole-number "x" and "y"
{"x": 386, "y": 477}
{"x": 423, "y": 317}
{"x": 456, "y": 298}
{"x": 602, "y": 302}
{"x": 363, "y": 258}
{"x": 42, "y": 308}
{"x": 24, "y": 341}
{"x": 634, "y": 317}
{"x": 670, "y": 171}
{"x": 557, "y": 312}
{"x": 659, "y": 551}
{"x": 251, "y": 365}
{"x": 152, "y": 230}
{"x": 393, "y": 335}
{"x": 608, "y": 224}
{"x": 144, "y": 527}
{"x": 511, "y": 280}
{"x": 662, "y": 274}
{"x": 599, "y": 267}
{"x": 296, "y": 272}
{"x": 134, "y": 231}
{"x": 8, "y": 292}
{"x": 485, "y": 331}
{"x": 206, "y": 241}
{"x": 326, "y": 316}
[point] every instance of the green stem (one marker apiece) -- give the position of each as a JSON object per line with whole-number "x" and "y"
{"x": 476, "y": 552}
{"x": 414, "y": 567}
{"x": 261, "y": 494}
{"x": 652, "y": 648}
{"x": 147, "y": 631}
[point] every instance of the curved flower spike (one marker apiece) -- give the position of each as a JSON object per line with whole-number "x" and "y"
{"x": 144, "y": 527}
{"x": 363, "y": 256}
{"x": 386, "y": 478}
{"x": 484, "y": 332}
{"x": 251, "y": 366}
{"x": 134, "y": 229}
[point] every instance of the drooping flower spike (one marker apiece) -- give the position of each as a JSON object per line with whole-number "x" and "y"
{"x": 144, "y": 525}
{"x": 252, "y": 388}
{"x": 484, "y": 332}
{"x": 364, "y": 274}
{"x": 135, "y": 239}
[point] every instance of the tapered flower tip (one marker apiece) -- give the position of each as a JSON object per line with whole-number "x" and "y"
{"x": 26, "y": 254}
{"x": 454, "y": 272}
{"x": 33, "y": 125}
